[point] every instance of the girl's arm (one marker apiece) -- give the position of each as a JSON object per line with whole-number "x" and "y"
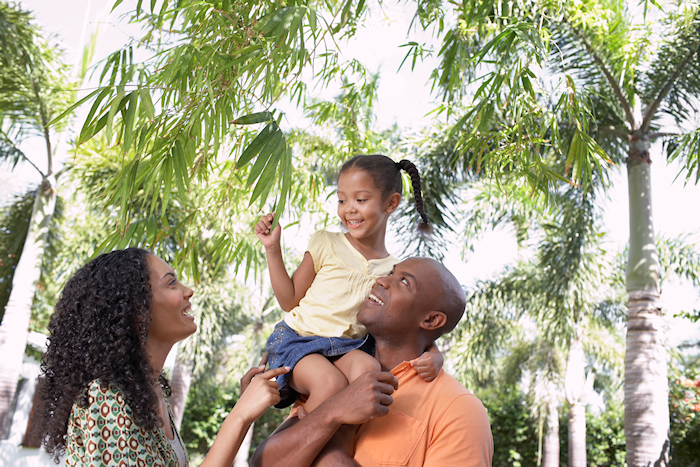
{"x": 260, "y": 393}
{"x": 288, "y": 291}
{"x": 429, "y": 364}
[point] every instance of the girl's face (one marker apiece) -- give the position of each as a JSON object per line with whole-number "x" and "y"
{"x": 360, "y": 205}
{"x": 170, "y": 307}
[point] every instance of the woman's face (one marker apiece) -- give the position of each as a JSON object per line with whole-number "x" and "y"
{"x": 170, "y": 309}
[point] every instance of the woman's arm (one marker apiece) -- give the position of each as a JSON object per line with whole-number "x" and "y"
{"x": 259, "y": 394}
{"x": 288, "y": 291}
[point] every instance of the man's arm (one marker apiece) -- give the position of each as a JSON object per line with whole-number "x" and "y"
{"x": 298, "y": 442}
{"x": 340, "y": 450}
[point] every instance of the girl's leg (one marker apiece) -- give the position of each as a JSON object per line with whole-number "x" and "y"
{"x": 355, "y": 363}
{"x": 316, "y": 376}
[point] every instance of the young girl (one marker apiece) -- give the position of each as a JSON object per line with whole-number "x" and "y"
{"x": 320, "y": 337}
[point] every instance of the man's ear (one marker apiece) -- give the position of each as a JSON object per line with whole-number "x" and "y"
{"x": 433, "y": 321}
{"x": 394, "y": 201}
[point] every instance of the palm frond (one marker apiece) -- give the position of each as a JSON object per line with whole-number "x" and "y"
{"x": 680, "y": 258}
{"x": 14, "y": 224}
{"x": 600, "y": 50}
{"x": 686, "y": 149}
{"x": 672, "y": 82}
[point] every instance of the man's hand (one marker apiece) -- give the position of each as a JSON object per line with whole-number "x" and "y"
{"x": 298, "y": 442}
{"x": 368, "y": 397}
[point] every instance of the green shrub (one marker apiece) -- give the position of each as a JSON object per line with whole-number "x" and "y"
{"x": 684, "y": 408}
{"x": 513, "y": 429}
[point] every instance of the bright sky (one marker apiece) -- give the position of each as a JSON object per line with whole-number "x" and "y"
{"x": 404, "y": 98}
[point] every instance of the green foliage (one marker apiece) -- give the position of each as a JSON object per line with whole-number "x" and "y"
{"x": 182, "y": 118}
{"x": 208, "y": 403}
{"x": 605, "y": 437}
{"x": 35, "y": 83}
{"x": 56, "y": 265}
{"x": 513, "y": 428}
{"x": 14, "y": 224}
{"x": 219, "y": 311}
{"x": 512, "y": 121}
{"x": 684, "y": 406}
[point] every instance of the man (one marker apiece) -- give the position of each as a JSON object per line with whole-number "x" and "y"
{"x": 394, "y": 418}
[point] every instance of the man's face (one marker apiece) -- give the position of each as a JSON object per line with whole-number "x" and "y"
{"x": 399, "y": 301}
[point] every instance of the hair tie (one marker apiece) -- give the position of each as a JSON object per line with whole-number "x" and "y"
{"x": 398, "y": 165}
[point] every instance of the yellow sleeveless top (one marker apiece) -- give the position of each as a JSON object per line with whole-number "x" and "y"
{"x": 344, "y": 279}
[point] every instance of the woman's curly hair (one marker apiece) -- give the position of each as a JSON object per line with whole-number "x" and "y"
{"x": 98, "y": 332}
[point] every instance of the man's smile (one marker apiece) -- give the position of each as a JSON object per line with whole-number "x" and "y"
{"x": 375, "y": 299}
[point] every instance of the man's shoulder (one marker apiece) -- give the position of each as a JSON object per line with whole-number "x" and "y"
{"x": 447, "y": 384}
{"x": 453, "y": 398}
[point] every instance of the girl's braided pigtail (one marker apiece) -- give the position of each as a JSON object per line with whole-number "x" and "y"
{"x": 423, "y": 226}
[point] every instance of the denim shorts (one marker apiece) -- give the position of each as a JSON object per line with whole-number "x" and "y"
{"x": 285, "y": 348}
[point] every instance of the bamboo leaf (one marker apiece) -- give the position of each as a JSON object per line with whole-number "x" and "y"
{"x": 258, "y": 117}
{"x": 265, "y": 153}
{"x": 129, "y": 119}
{"x": 257, "y": 145}
{"x": 116, "y": 4}
{"x": 168, "y": 179}
{"x": 180, "y": 166}
{"x": 277, "y": 22}
{"x": 118, "y": 103}
{"x": 267, "y": 177}
{"x": 147, "y": 103}
{"x": 70, "y": 109}
{"x": 286, "y": 177}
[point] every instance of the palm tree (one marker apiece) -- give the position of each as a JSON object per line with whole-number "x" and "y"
{"x": 561, "y": 290}
{"x": 35, "y": 87}
{"x": 616, "y": 78}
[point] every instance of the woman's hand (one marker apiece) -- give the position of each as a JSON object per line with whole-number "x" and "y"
{"x": 250, "y": 374}
{"x": 258, "y": 392}
{"x": 269, "y": 239}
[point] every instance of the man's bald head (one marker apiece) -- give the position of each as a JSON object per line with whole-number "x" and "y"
{"x": 448, "y": 294}
{"x": 420, "y": 296}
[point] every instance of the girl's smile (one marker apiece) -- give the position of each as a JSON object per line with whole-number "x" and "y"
{"x": 361, "y": 208}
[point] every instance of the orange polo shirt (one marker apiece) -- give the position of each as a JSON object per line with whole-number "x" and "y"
{"x": 429, "y": 424}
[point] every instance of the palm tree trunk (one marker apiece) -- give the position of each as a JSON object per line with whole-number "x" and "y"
{"x": 577, "y": 435}
{"x": 646, "y": 383}
{"x": 241, "y": 459}
{"x": 551, "y": 438}
{"x": 575, "y": 389}
{"x": 15, "y": 322}
{"x": 181, "y": 381}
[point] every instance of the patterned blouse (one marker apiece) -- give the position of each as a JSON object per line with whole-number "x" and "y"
{"x": 105, "y": 433}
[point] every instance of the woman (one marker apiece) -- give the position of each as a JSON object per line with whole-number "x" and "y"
{"x": 103, "y": 400}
